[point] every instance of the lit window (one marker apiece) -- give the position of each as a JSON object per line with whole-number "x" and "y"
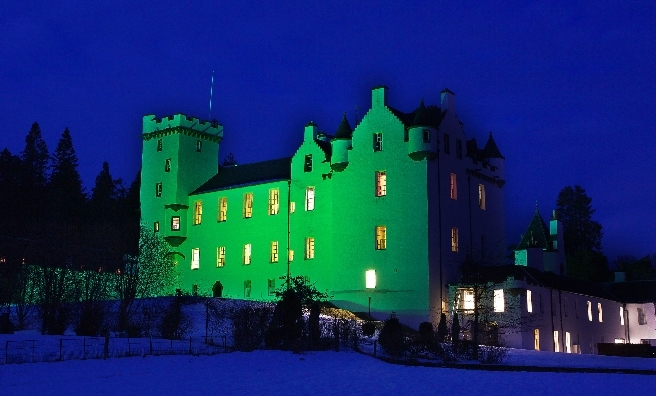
{"x": 272, "y": 286}
{"x": 220, "y": 256}
{"x": 556, "y": 343}
{"x": 601, "y": 319}
{"x": 195, "y": 258}
{"x": 453, "y": 192}
{"x": 309, "y": 198}
{"x": 529, "y": 302}
{"x": 447, "y": 145}
{"x": 223, "y": 209}
{"x": 381, "y": 237}
{"x": 481, "y": 196}
{"x": 290, "y": 255}
{"x": 536, "y": 339}
{"x": 426, "y": 134}
{"x": 381, "y": 184}
{"x": 156, "y": 226}
{"x": 589, "y": 311}
{"x": 378, "y": 141}
{"x": 307, "y": 166}
{"x": 642, "y": 318}
{"x": 158, "y": 189}
{"x": 167, "y": 165}
{"x": 274, "y": 201}
{"x": 499, "y": 302}
{"x": 175, "y": 223}
{"x": 620, "y": 341}
{"x": 159, "y": 145}
{"x": 248, "y": 205}
{"x": 466, "y": 299}
{"x": 247, "y": 289}
{"x": 454, "y": 239}
{"x": 370, "y": 279}
{"x": 274, "y": 251}
{"x": 247, "y": 253}
{"x": 292, "y": 207}
{"x": 309, "y": 248}
{"x": 621, "y": 316}
{"x": 568, "y": 343}
{"x": 198, "y": 212}
{"x": 459, "y": 148}
{"x": 199, "y": 145}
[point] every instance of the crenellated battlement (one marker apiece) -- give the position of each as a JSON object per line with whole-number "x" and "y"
{"x": 154, "y": 125}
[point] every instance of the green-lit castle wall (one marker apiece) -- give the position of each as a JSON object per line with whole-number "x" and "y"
{"x": 414, "y": 260}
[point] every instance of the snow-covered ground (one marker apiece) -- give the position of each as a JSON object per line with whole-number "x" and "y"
{"x": 316, "y": 373}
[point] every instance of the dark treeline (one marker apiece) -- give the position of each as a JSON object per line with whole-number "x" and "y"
{"x": 51, "y": 222}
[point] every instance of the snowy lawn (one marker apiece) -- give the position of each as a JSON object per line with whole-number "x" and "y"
{"x": 284, "y": 373}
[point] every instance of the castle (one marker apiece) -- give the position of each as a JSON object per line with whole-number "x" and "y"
{"x": 381, "y": 216}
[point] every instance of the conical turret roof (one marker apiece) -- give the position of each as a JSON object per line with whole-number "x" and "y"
{"x": 537, "y": 234}
{"x": 344, "y": 130}
{"x": 491, "y": 150}
{"x": 422, "y": 117}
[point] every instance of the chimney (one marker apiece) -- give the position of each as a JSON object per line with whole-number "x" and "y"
{"x": 311, "y": 131}
{"x": 448, "y": 100}
{"x": 379, "y": 96}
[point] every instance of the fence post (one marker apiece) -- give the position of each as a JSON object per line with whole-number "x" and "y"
{"x": 129, "y": 351}
{"x": 61, "y": 342}
{"x": 151, "y": 345}
{"x": 190, "y": 345}
{"x": 7, "y": 352}
{"x": 84, "y": 348}
{"x": 375, "y": 344}
{"x": 225, "y": 349}
{"x": 106, "y": 349}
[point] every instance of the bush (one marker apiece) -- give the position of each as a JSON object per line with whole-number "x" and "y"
{"x": 492, "y": 354}
{"x": 175, "y": 324}
{"x": 442, "y": 330}
{"x": 249, "y": 324}
{"x": 368, "y": 329}
{"x": 91, "y": 319}
{"x": 391, "y": 337}
{"x": 287, "y": 325}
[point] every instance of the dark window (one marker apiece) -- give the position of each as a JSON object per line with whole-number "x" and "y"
{"x": 199, "y": 146}
{"x": 459, "y": 148}
{"x": 159, "y": 145}
{"x": 308, "y": 163}
{"x": 272, "y": 287}
{"x": 194, "y": 290}
{"x": 447, "y": 145}
{"x": 158, "y": 189}
{"x": 247, "y": 288}
{"x": 426, "y": 133}
{"x": 167, "y": 165}
{"x": 378, "y": 141}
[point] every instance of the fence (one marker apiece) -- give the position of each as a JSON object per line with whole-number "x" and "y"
{"x": 56, "y": 349}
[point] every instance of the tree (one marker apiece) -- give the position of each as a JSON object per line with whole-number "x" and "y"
{"x": 582, "y": 235}
{"x": 68, "y": 197}
{"x": 637, "y": 269}
{"x": 391, "y": 337}
{"x": 151, "y": 274}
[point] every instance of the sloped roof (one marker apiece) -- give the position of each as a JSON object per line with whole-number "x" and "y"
{"x": 490, "y": 150}
{"x": 537, "y": 234}
{"x": 231, "y": 176}
{"x": 472, "y": 148}
{"x": 421, "y": 116}
{"x": 432, "y": 116}
{"x": 326, "y": 147}
{"x": 344, "y": 131}
{"x": 633, "y": 291}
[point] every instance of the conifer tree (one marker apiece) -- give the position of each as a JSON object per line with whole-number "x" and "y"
{"x": 35, "y": 159}
{"x": 68, "y": 195}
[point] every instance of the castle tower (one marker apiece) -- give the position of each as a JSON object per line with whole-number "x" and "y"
{"x": 179, "y": 154}
{"x": 341, "y": 143}
{"x": 422, "y": 137}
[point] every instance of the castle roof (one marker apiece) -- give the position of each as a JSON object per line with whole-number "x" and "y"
{"x": 326, "y": 147}
{"x": 490, "y": 150}
{"x": 537, "y": 234}
{"x": 258, "y": 172}
{"x": 421, "y": 117}
{"x": 344, "y": 131}
{"x": 431, "y": 117}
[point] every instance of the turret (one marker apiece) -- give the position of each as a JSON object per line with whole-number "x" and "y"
{"x": 556, "y": 231}
{"x": 341, "y": 144}
{"x": 422, "y": 136}
{"x": 179, "y": 154}
{"x": 491, "y": 156}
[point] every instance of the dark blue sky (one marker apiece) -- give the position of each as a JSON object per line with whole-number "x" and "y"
{"x": 568, "y": 88}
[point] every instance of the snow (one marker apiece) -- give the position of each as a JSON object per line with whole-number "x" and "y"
{"x": 318, "y": 373}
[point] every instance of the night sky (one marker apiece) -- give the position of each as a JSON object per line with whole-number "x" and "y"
{"x": 568, "y": 88}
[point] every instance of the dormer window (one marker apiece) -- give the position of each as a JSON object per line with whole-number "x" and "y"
{"x": 378, "y": 141}
{"x": 167, "y": 165}
{"x": 308, "y": 163}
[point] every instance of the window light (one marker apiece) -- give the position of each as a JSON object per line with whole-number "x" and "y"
{"x": 223, "y": 209}
{"x": 195, "y": 258}
{"x": 274, "y": 251}
{"x": 381, "y": 237}
{"x": 220, "y": 256}
{"x": 536, "y": 339}
{"x": 529, "y": 302}
{"x": 309, "y": 248}
{"x": 621, "y": 316}
{"x": 556, "y": 341}
{"x": 499, "y": 301}
{"x": 601, "y": 319}
{"x": 370, "y": 279}
{"x": 309, "y": 198}
{"x": 381, "y": 184}
{"x": 248, "y": 205}
{"x": 274, "y": 201}
{"x": 247, "y": 254}
{"x": 454, "y": 239}
{"x": 481, "y": 196}
{"x": 454, "y": 187}
{"x": 198, "y": 212}
{"x": 589, "y": 311}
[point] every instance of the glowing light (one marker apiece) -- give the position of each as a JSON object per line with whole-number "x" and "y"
{"x": 370, "y": 279}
